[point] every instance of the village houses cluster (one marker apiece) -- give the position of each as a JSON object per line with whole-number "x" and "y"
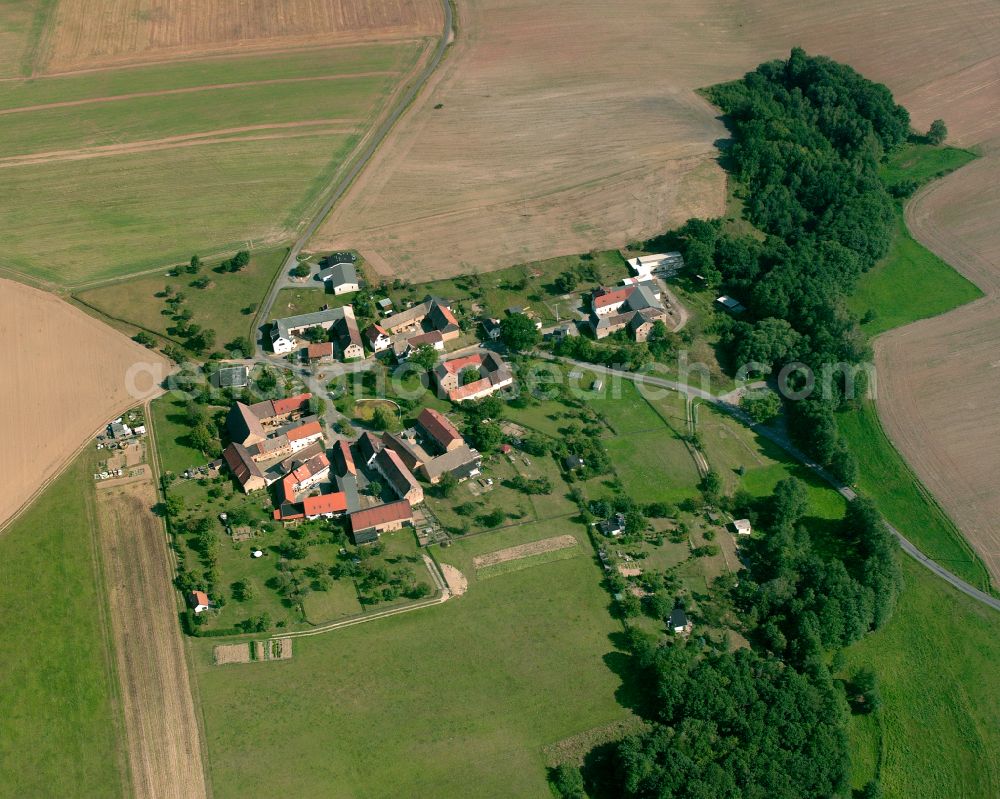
{"x": 280, "y": 442}
{"x": 638, "y": 303}
{"x": 429, "y": 323}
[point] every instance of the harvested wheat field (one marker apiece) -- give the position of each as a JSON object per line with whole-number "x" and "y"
{"x": 95, "y": 33}
{"x": 562, "y": 127}
{"x": 161, "y": 727}
{"x": 64, "y": 376}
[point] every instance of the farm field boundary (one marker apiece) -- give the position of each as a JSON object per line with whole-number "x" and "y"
{"x": 160, "y": 719}
{"x": 189, "y": 132}
{"x": 63, "y": 726}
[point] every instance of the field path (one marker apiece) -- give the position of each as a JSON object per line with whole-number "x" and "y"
{"x": 342, "y": 182}
{"x": 162, "y": 730}
{"x": 288, "y": 130}
{"x": 22, "y": 109}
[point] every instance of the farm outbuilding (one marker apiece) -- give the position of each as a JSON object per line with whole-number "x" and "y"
{"x": 198, "y": 600}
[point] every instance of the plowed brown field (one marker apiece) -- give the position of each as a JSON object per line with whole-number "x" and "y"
{"x": 64, "y": 375}
{"x": 96, "y": 33}
{"x": 161, "y": 727}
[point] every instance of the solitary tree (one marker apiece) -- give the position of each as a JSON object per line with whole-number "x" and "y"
{"x": 202, "y": 439}
{"x": 518, "y": 333}
{"x": 195, "y": 266}
{"x": 487, "y": 436}
{"x": 447, "y": 484}
{"x": 425, "y": 357}
{"x": 242, "y": 590}
{"x": 566, "y": 282}
{"x": 711, "y": 485}
{"x": 381, "y": 418}
{"x": 938, "y": 132}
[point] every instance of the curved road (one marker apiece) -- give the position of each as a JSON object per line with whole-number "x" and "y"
{"x": 340, "y": 186}
{"x": 726, "y": 402}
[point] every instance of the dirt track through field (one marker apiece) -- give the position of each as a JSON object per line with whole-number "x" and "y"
{"x": 288, "y": 130}
{"x": 64, "y": 376}
{"x": 160, "y": 723}
{"x": 113, "y": 98}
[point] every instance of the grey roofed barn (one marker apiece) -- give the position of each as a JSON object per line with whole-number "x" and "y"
{"x": 339, "y": 274}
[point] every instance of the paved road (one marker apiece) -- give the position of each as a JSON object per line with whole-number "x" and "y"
{"x": 727, "y": 403}
{"x": 341, "y": 185}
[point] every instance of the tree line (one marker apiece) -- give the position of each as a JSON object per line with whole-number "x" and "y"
{"x": 770, "y": 720}
{"x": 808, "y": 137}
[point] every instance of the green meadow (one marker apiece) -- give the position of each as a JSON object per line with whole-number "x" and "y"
{"x": 936, "y": 735}
{"x": 911, "y": 282}
{"x": 227, "y": 305}
{"x": 455, "y": 700}
{"x": 237, "y": 152}
{"x": 58, "y": 687}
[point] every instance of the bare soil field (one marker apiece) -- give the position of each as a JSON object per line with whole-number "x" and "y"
{"x": 563, "y": 127}
{"x": 458, "y": 583}
{"x": 64, "y": 375}
{"x": 224, "y": 654}
{"x": 524, "y": 551}
{"x": 938, "y": 378}
{"x": 161, "y": 726}
{"x": 86, "y": 34}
